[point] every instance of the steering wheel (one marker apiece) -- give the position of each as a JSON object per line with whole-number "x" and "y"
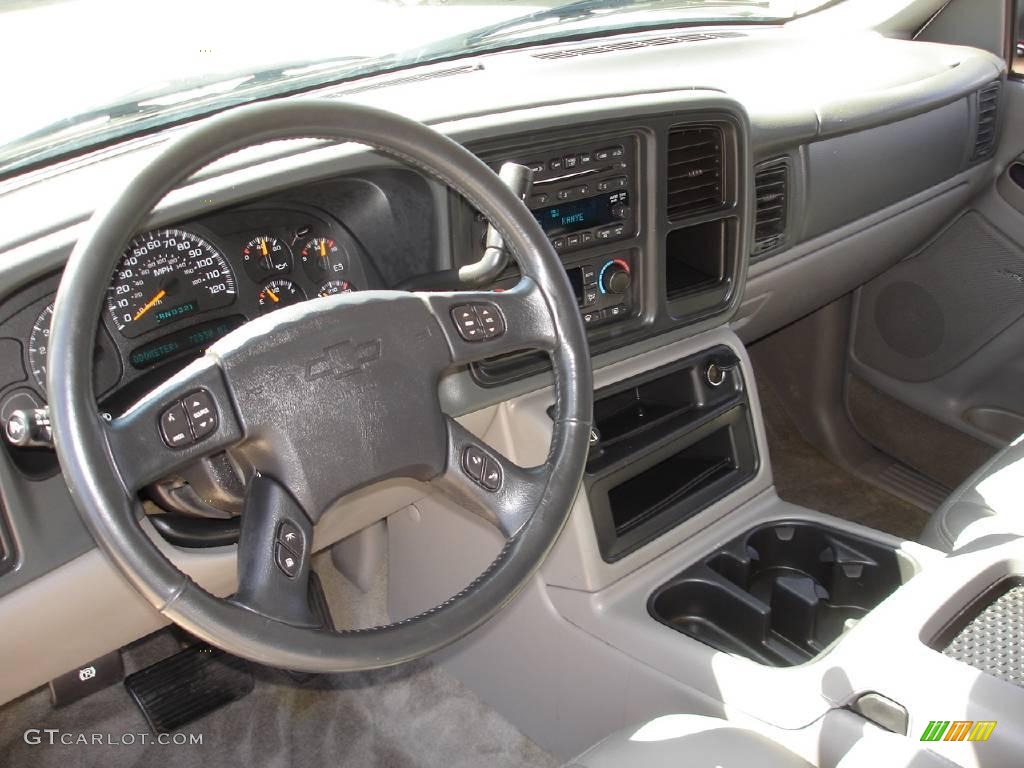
{"x": 321, "y": 398}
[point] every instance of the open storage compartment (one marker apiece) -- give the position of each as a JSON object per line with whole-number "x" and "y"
{"x": 781, "y": 593}
{"x": 668, "y": 444}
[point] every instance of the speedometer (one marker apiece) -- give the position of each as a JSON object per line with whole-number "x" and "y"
{"x": 164, "y": 276}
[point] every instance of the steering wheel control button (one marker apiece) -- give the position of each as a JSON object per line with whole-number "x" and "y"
{"x": 467, "y": 323}
{"x": 476, "y": 322}
{"x": 290, "y": 536}
{"x": 491, "y": 478}
{"x": 474, "y": 461}
{"x": 201, "y": 412}
{"x": 490, "y": 320}
{"x": 286, "y": 560}
{"x": 174, "y": 427}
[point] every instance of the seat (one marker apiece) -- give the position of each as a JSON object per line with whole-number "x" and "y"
{"x": 687, "y": 741}
{"x": 988, "y": 502}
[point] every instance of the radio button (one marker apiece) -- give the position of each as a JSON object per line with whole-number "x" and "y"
{"x": 572, "y": 241}
{"x": 585, "y": 158}
{"x": 563, "y": 194}
{"x": 616, "y": 182}
{"x": 555, "y": 164}
{"x": 604, "y": 234}
{"x": 540, "y": 199}
{"x": 558, "y": 243}
{"x": 570, "y": 161}
{"x": 587, "y": 236}
{"x": 582, "y": 189}
{"x": 537, "y": 166}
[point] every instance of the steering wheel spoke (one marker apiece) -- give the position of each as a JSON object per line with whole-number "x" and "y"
{"x": 184, "y": 419}
{"x": 488, "y": 483}
{"x": 274, "y": 551}
{"x": 482, "y": 324}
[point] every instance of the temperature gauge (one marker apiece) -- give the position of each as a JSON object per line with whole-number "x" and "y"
{"x": 279, "y": 293}
{"x": 332, "y": 287}
{"x": 265, "y": 256}
{"x": 324, "y": 259}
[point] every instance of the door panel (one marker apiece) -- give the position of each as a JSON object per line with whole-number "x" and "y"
{"x": 942, "y": 332}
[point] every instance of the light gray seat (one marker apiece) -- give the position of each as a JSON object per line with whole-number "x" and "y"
{"x": 991, "y": 501}
{"x": 688, "y": 741}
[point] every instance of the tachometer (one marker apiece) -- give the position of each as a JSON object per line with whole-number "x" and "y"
{"x": 39, "y": 345}
{"x": 164, "y": 276}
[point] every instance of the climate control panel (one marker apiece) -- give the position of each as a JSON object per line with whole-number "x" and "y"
{"x": 603, "y": 288}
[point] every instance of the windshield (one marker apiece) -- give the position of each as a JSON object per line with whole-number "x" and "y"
{"x": 79, "y": 73}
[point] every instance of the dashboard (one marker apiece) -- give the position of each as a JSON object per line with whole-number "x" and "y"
{"x": 674, "y": 179}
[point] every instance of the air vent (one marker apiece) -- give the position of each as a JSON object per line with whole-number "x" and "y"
{"x": 694, "y": 171}
{"x": 771, "y": 190}
{"x": 419, "y": 78}
{"x": 629, "y": 45}
{"x": 988, "y": 108}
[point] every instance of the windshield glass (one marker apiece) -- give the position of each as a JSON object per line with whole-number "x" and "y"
{"x": 78, "y": 73}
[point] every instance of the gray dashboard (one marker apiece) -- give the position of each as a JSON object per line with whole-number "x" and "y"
{"x": 834, "y": 127}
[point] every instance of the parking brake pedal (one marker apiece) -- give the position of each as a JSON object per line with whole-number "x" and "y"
{"x": 188, "y": 686}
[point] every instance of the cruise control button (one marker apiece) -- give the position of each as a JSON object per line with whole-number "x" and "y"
{"x": 290, "y": 535}
{"x": 174, "y": 427}
{"x": 491, "y": 478}
{"x": 473, "y": 462}
{"x": 287, "y": 561}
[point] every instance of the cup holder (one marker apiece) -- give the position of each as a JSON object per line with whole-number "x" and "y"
{"x": 780, "y": 594}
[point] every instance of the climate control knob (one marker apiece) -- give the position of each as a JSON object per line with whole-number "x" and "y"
{"x": 615, "y": 277}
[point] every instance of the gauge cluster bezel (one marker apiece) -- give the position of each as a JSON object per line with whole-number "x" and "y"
{"x": 227, "y": 232}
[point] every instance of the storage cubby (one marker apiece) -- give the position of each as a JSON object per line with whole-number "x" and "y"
{"x": 695, "y": 258}
{"x": 781, "y": 593}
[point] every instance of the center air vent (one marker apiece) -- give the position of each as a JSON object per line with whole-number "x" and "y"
{"x": 988, "y": 106}
{"x": 771, "y": 190}
{"x": 695, "y": 177}
{"x": 628, "y": 45}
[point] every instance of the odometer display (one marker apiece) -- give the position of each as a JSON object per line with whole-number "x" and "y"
{"x": 164, "y": 276}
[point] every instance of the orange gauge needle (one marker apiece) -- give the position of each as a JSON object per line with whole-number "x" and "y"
{"x": 263, "y": 247}
{"x": 323, "y": 249}
{"x": 271, "y": 294}
{"x": 150, "y": 304}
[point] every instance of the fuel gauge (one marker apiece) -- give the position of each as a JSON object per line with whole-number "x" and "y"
{"x": 279, "y": 293}
{"x": 265, "y": 256}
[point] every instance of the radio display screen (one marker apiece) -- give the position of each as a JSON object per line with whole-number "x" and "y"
{"x": 575, "y": 215}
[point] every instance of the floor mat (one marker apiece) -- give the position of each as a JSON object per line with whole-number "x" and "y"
{"x": 804, "y": 476}
{"x": 413, "y": 715}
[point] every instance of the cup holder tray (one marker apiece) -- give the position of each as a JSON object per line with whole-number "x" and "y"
{"x": 779, "y": 594}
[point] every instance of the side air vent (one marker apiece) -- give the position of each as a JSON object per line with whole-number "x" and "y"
{"x": 629, "y": 45}
{"x": 435, "y": 75}
{"x": 771, "y": 192}
{"x": 695, "y": 178}
{"x": 988, "y": 107}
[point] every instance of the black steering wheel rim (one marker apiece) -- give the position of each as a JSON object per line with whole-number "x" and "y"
{"x": 93, "y": 463}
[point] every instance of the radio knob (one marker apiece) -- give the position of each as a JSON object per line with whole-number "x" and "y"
{"x": 615, "y": 277}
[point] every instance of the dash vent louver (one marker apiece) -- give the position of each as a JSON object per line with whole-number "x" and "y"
{"x": 694, "y": 171}
{"x": 628, "y": 45}
{"x": 988, "y": 113}
{"x": 771, "y": 205}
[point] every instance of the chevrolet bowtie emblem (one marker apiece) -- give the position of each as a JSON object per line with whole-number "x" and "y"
{"x": 343, "y": 359}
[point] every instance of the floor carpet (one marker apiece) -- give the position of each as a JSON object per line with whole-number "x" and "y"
{"x": 804, "y": 476}
{"x": 406, "y": 717}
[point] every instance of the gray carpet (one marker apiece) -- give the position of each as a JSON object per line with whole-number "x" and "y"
{"x": 413, "y": 715}
{"x": 804, "y": 476}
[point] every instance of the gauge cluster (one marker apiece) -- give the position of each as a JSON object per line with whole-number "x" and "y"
{"x": 177, "y": 290}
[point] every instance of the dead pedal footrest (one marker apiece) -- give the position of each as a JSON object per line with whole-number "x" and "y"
{"x": 188, "y": 686}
